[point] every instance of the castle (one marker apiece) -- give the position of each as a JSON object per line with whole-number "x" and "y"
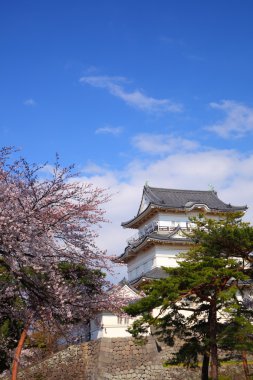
{"x": 163, "y": 224}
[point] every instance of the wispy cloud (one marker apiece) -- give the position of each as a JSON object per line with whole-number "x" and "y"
{"x": 115, "y": 131}
{"x": 182, "y": 48}
{"x": 237, "y": 122}
{"x": 162, "y": 143}
{"x": 29, "y": 102}
{"x": 136, "y": 98}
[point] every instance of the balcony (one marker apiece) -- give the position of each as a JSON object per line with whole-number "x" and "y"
{"x": 159, "y": 228}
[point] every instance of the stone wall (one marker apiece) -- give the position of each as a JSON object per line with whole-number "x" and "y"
{"x": 116, "y": 359}
{"x": 123, "y": 354}
{"x": 72, "y": 363}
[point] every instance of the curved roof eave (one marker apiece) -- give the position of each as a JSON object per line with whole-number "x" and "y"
{"x": 142, "y": 279}
{"x": 149, "y": 239}
{"x": 138, "y": 217}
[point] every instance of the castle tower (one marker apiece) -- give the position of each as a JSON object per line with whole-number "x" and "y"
{"x": 162, "y": 222}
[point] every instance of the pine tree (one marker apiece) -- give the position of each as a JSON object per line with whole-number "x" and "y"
{"x": 196, "y": 298}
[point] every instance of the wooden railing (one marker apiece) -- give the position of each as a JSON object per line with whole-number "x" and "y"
{"x": 156, "y": 227}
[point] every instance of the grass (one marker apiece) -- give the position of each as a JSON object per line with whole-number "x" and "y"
{"x": 222, "y": 363}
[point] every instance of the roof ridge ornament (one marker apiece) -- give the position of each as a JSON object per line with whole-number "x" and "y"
{"x": 212, "y": 188}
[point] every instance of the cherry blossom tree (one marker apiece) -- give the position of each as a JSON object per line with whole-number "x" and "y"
{"x": 48, "y": 227}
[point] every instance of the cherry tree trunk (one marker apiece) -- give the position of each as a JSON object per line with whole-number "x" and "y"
{"x": 245, "y": 365}
{"x": 213, "y": 343}
{"x": 18, "y": 351}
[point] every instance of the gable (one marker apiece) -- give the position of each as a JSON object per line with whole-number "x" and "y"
{"x": 128, "y": 292}
{"x": 145, "y": 201}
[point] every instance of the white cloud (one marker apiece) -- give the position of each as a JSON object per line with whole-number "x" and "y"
{"x": 162, "y": 143}
{"x": 229, "y": 172}
{"x": 109, "y": 130}
{"x": 93, "y": 168}
{"x": 47, "y": 169}
{"x": 238, "y": 120}
{"x": 29, "y": 102}
{"x": 136, "y": 98}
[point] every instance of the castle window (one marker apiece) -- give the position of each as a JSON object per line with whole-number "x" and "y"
{"x": 123, "y": 321}
{"x": 120, "y": 320}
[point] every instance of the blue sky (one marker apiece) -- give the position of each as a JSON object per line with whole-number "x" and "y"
{"x": 132, "y": 91}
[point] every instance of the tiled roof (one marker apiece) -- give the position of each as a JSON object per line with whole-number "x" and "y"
{"x": 153, "y": 274}
{"x": 170, "y": 236}
{"x": 174, "y": 198}
{"x": 180, "y": 200}
{"x": 150, "y": 238}
{"x": 156, "y": 273}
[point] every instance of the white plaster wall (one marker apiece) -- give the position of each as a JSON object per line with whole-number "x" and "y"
{"x": 179, "y": 218}
{"x": 166, "y": 257}
{"x": 156, "y": 256}
{"x": 169, "y": 217}
{"x": 142, "y": 263}
{"x": 108, "y": 325}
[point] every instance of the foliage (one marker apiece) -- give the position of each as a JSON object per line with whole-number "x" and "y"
{"x": 43, "y": 339}
{"x": 9, "y": 334}
{"x": 10, "y": 328}
{"x": 238, "y": 334}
